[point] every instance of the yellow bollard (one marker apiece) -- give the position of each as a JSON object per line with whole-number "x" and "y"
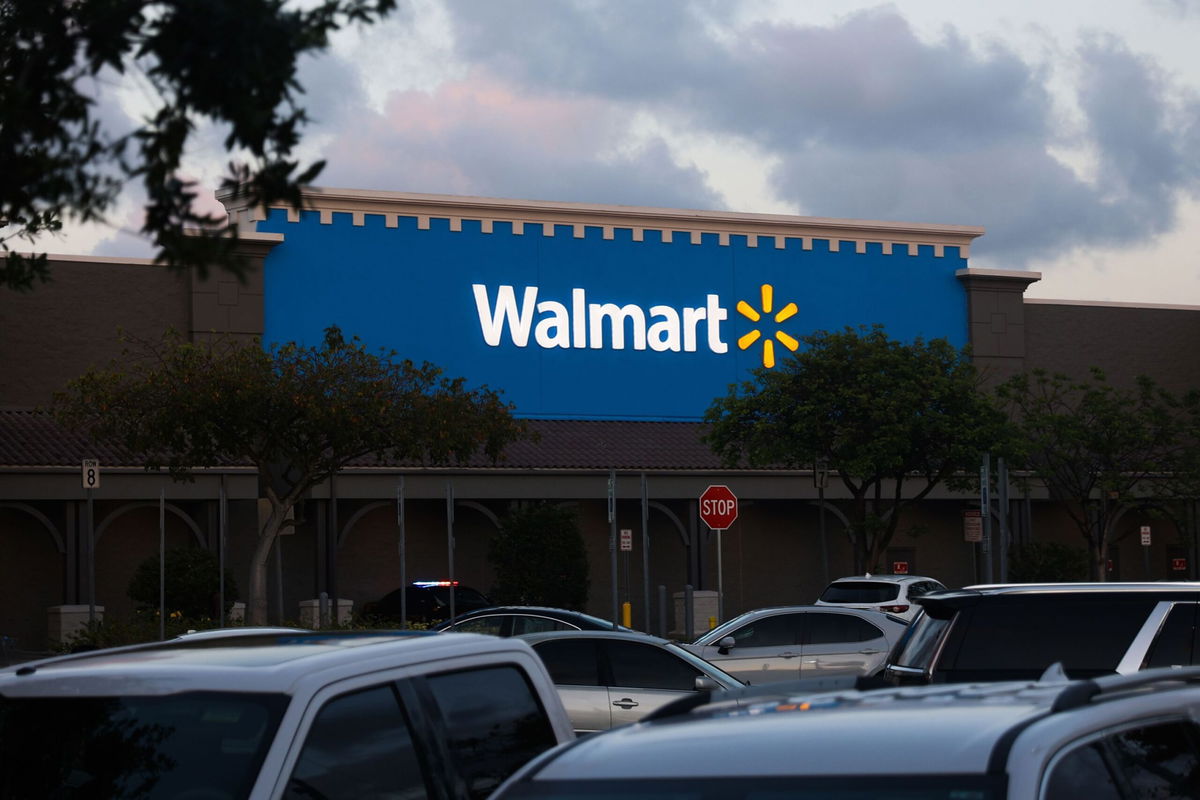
{"x": 712, "y": 623}
{"x": 627, "y": 615}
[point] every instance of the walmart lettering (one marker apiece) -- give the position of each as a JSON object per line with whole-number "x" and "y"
{"x": 579, "y": 324}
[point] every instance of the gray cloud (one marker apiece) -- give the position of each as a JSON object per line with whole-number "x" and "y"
{"x": 865, "y": 119}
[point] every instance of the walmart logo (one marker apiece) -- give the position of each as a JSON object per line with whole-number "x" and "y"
{"x": 767, "y": 292}
{"x": 580, "y": 324}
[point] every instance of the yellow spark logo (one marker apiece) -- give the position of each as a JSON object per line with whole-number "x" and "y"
{"x": 768, "y": 304}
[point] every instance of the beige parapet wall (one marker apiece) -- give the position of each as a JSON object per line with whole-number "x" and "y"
{"x": 540, "y": 218}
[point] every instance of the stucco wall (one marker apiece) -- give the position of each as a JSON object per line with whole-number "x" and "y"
{"x": 61, "y": 329}
{"x": 1125, "y": 341}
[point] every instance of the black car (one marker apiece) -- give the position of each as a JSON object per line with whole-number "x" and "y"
{"x": 1017, "y": 631}
{"x": 428, "y": 602}
{"x": 516, "y": 620}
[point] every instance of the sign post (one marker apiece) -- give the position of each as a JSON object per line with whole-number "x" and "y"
{"x": 1145, "y": 531}
{"x": 91, "y": 482}
{"x": 718, "y": 510}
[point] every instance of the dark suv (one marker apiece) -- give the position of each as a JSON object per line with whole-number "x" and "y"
{"x": 1003, "y": 632}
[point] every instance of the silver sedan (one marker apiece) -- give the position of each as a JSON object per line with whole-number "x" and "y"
{"x": 794, "y": 642}
{"x": 609, "y": 678}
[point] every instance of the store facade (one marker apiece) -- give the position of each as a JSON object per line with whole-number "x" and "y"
{"x": 611, "y": 328}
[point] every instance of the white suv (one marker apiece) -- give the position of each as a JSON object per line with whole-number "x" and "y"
{"x": 278, "y": 715}
{"x": 1121, "y": 736}
{"x": 891, "y": 594}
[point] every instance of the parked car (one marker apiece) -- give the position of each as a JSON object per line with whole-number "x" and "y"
{"x": 609, "y": 678}
{"x": 1121, "y": 736}
{"x": 426, "y": 602}
{"x": 516, "y": 620}
{"x": 790, "y": 642}
{"x": 999, "y": 632}
{"x": 285, "y": 714}
{"x": 890, "y": 594}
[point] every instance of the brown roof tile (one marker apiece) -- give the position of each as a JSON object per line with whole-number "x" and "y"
{"x": 31, "y": 438}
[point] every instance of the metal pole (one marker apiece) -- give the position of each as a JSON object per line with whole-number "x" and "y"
{"x": 403, "y": 565}
{"x": 646, "y": 551}
{"x": 824, "y": 538}
{"x": 985, "y": 507}
{"x": 162, "y": 564}
{"x": 662, "y": 611}
{"x": 1002, "y": 501}
{"x": 720, "y": 581}
{"x": 221, "y": 554}
{"x": 612, "y": 541}
{"x": 91, "y": 558}
{"x": 450, "y": 541}
{"x": 689, "y": 615}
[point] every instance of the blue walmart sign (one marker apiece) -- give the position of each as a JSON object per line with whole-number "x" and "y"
{"x": 577, "y": 325}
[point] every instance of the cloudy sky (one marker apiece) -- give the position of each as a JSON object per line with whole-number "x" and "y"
{"x": 1069, "y": 130}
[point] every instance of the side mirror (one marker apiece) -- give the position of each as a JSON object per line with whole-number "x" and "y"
{"x": 706, "y": 684}
{"x": 725, "y": 644}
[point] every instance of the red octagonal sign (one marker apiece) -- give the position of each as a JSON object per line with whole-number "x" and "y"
{"x": 718, "y": 507}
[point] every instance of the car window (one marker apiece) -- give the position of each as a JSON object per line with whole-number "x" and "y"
{"x": 921, "y": 641}
{"x": 860, "y": 592}
{"x": 571, "y": 662}
{"x": 359, "y": 746}
{"x": 1081, "y": 773}
{"x": 494, "y": 723}
{"x": 525, "y": 624}
{"x": 1024, "y": 635}
{"x": 647, "y": 666}
{"x": 837, "y": 628}
{"x": 1159, "y": 760}
{"x": 1173, "y": 647}
{"x": 149, "y": 747}
{"x": 773, "y": 631}
{"x": 492, "y": 625}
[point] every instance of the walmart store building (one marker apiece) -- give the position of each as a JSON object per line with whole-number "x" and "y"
{"x": 612, "y": 328}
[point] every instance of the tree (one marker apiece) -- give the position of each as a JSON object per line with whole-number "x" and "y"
{"x": 892, "y": 420}
{"x": 191, "y": 580}
{"x": 1047, "y": 562}
{"x": 229, "y": 62}
{"x": 1100, "y": 450}
{"x": 540, "y": 558}
{"x": 299, "y": 414}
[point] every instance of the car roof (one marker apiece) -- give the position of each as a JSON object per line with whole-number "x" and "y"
{"x": 943, "y": 728}
{"x": 271, "y": 662}
{"x": 943, "y": 604}
{"x": 885, "y": 578}
{"x": 547, "y": 611}
{"x": 620, "y": 635}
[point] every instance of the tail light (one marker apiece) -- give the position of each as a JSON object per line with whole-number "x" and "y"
{"x": 894, "y": 609}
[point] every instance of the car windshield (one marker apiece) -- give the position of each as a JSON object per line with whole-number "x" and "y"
{"x": 753, "y": 787}
{"x": 208, "y": 743}
{"x": 860, "y": 592}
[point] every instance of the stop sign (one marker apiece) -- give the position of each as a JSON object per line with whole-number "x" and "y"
{"x": 718, "y": 507}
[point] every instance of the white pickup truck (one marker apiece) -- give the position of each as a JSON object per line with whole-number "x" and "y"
{"x": 278, "y": 714}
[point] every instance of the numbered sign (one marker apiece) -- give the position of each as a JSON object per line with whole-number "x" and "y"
{"x": 91, "y": 473}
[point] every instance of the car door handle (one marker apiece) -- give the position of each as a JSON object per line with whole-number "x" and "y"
{"x": 625, "y": 702}
{"x": 788, "y": 654}
{"x": 870, "y": 652}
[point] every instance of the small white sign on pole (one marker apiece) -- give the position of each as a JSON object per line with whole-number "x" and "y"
{"x": 1146, "y": 535}
{"x": 972, "y": 526}
{"x": 626, "y": 539}
{"x": 91, "y": 473}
